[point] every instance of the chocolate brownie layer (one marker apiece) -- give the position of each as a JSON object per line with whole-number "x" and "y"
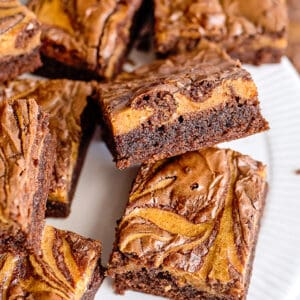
{"x": 190, "y": 227}
{"x": 68, "y": 267}
{"x": 213, "y": 126}
{"x": 92, "y": 36}
{"x": 72, "y": 121}
{"x": 25, "y": 167}
{"x": 254, "y": 31}
{"x": 184, "y": 103}
{"x": 19, "y": 40}
{"x": 11, "y": 67}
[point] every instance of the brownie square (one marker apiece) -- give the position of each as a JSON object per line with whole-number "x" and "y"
{"x": 190, "y": 227}
{"x": 68, "y": 267}
{"x": 92, "y": 36}
{"x": 19, "y": 40}
{"x": 187, "y": 102}
{"x": 72, "y": 122}
{"x": 26, "y": 150}
{"x": 253, "y": 31}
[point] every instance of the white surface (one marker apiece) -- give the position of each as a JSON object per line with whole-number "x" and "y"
{"x": 102, "y": 192}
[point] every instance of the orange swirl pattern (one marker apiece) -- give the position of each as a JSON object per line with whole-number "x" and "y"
{"x": 62, "y": 272}
{"x": 196, "y": 217}
{"x": 15, "y": 20}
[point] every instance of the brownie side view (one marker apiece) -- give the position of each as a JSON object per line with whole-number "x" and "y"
{"x": 181, "y": 104}
{"x": 72, "y": 122}
{"x": 26, "y": 150}
{"x": 190, "y": 227}
{"x": 92, "y": 36}
{"x": 19, "y": 40}
{"x": 253, "y": 31}
{"x": 68, "y": 268}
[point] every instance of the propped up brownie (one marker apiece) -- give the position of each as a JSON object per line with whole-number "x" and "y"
{"x": 90, "y": 36}
{"x": 190, "y": 227}
{"x": 26, "y": 149}
{"x": 180, "y": 104}
{"x": 254, "y": 31}
{"x": 72, "y": 122}
{"x": 19, "y": 40}
{"x": 68, "y": 268}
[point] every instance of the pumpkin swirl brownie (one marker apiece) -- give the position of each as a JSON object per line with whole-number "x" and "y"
{"x": 190, "y": 227}
{"x": 72, "y": 122}
{"x": 91, "y": 36}
{"x": 254, "y": 31}
{"x": 26, "y": 150}
{"x": 184, "y": 103}
{"x": 19, "y": 40}
{"x": 68, "y": 268}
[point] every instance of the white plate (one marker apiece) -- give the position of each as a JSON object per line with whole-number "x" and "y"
{"x": 102, "y": 192}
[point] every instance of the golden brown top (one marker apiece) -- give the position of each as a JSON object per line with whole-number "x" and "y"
{"x": 19, "y": 29}
{"x": 181, "y": 24}
{"x": 63, "y": 271}
{"x": 195, "y": 216}
{"x": 23, "y": 131}
{"x": 93, "y": 34}
{"x": 65, "y": 101}
{"x": 164, "y": 90}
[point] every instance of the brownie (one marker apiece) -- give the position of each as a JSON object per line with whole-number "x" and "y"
{"x": 19, "y": 40}
{"x": 68, "y": 267}
{"x": 253, "y": 31}
{"x": 26, "y": 150}
{"x": 92, "y": 36}
{"x": 187, "y": 102}
{"x": 190, "y": 227}
{"x": 72, "y": 121}
{"x": 293, "y": 51}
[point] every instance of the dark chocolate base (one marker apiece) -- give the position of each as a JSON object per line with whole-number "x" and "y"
{"x": 154, "y": 281}
{"x": 58, "y": 209}
{"x": 150, "y": 143}
{"x": 54, "y": 69}
{"x": 12, "y": 67}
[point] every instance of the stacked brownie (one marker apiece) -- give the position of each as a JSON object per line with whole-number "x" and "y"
{"x": 37, "y": 261}
{"x": 192, "y": 220}
{"x": 71, "y": 120}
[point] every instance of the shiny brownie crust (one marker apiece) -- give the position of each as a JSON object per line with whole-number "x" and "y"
{"x": 11, "y": 66}
{"x": 153, "y": 281}
{"x": 197, "y": 130}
